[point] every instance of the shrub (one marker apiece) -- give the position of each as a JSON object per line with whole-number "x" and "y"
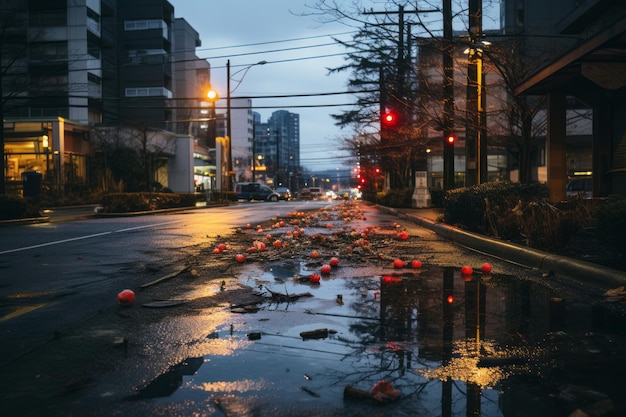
{"x": 390, "y": 198}
{"x": 129, "y": 202}
{"x": 546, "y": 226}
{"x": 396, "y": 198}
{"x": 436, "y": 197}
{"x": 12, "y": 207}
{"x": 611, "y": 221}
{"x": 481, "y": 207}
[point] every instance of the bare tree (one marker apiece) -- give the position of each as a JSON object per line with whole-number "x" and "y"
{"x": 131, "y": 156}
{"x": 520, "y": 120}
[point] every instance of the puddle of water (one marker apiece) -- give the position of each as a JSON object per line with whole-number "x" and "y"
{"x": 452, "y": 345}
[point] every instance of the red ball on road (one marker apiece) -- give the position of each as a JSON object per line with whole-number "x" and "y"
{"x": 126, "y": 297}
{"x": 416, "y": 264}
{"x": 326, "y": 269}
{"x": 334, "y": 261}
{"x": 240, "y": 257}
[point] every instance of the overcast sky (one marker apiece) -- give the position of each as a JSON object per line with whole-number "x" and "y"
{"x": 230, "y": 30}
{"x": 249, "y": 31}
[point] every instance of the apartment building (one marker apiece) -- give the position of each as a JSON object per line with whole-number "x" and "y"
{"x": 85, "y": 75}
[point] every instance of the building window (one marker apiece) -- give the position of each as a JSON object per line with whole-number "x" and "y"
{"x": 148, "y": 92}
{"x": 93, "y": 21}
{"x": 147, "y": 25}
{"x": 94, "y": 79}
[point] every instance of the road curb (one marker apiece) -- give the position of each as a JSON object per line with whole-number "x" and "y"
{"x": 582, "y": 271}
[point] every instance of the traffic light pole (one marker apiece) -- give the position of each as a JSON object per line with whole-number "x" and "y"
{"x": 448, "y": 97}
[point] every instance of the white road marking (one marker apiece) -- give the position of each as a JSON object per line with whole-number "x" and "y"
{"x": 58, "y": 242}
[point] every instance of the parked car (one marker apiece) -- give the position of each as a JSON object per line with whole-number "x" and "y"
{"x": 255, "y": 191}
{"x": 579, "y": 187}
{"x": 283, "y": 193}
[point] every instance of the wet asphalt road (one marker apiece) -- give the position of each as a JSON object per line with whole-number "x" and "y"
{"x": 206, "y": 363}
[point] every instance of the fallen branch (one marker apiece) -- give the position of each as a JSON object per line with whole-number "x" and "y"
{"x": 165, "y": 278}
{"x": 287, "y": 297}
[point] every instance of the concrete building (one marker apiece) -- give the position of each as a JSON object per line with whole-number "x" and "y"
{"x": 591, "y": 70}
{"x": 97, "y": 67}
{"x": 532, "y": 33}
{"x": 278, "y": 148}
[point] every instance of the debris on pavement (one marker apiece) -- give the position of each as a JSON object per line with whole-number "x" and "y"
{"x": 382, "y": 392}
{"x": 317, "y": 334}
{"x": 616, "y": 294}
{"x": 163, "y": 303}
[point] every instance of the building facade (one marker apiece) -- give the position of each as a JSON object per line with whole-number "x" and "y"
{"x": 277, "y": 149}
{"x": 86, "y": 68}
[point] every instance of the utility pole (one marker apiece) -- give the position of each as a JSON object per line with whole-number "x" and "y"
{"x": 448, "y": 97}
{"x": 476, "y": 138}
{"x": 229, "y": 161}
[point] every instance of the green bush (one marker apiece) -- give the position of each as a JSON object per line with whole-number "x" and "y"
{"x": 12, "y": 207}
{"x": 436, "y": 197}
{"x": 474, "y": 208}
{"x": 131, "y": 202}
{"x": 520, "y": 213}
{"x": 390, "y": 198}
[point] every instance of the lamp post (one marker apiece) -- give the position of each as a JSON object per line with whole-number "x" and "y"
{"x": 245, "y": 70}
{"x": 476, "y": 136}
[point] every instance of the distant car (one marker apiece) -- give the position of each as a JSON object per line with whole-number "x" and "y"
{"x": 579, "y": 187}
{"x": 255, "y": 191}
{"x": 283, "y": 193}
{"x": 343, "y": 194}
{"x": 316, "y": 192}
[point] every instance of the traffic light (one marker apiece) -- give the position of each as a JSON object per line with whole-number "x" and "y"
{"x": 389, "y": 118}
{"x": 450, "y": 139}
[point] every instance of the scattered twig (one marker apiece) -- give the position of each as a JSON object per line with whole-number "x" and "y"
{"x": 165, "y": 278}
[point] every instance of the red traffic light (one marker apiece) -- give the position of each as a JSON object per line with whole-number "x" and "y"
{"x": 389, "y": 118}
{"x": 451, "y": 139}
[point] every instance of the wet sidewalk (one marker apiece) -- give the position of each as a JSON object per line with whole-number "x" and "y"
{"x": 548, "y": 263}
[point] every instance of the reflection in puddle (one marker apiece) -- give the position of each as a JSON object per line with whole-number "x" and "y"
{"x": 451, "y": 344}
{"x": 166, "y": 384}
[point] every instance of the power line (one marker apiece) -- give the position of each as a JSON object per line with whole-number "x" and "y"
{"x": 278, "y": 41}
{"x": 271, "y": 51}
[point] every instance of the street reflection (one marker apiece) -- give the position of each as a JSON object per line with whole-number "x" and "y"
{"x": 451, "y": 344}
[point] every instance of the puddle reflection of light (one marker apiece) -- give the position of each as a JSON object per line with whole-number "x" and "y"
{"x": 244, "y": 385}
{"x": 464, "y": 366}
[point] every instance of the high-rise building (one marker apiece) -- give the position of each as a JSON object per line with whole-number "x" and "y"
{"x": 277, "y": 148}
{"x": 73, "y": 70}
{"x": 284, "y": 126}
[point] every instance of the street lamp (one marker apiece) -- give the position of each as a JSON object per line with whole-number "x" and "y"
{"x": 212, "y": 96}
{"x": 476, "y": 137}
{"x": 228, "y": 108}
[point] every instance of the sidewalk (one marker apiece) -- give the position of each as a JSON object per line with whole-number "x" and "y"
{"x": 64, "y": 214}
{"x": 582, "y": 271}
